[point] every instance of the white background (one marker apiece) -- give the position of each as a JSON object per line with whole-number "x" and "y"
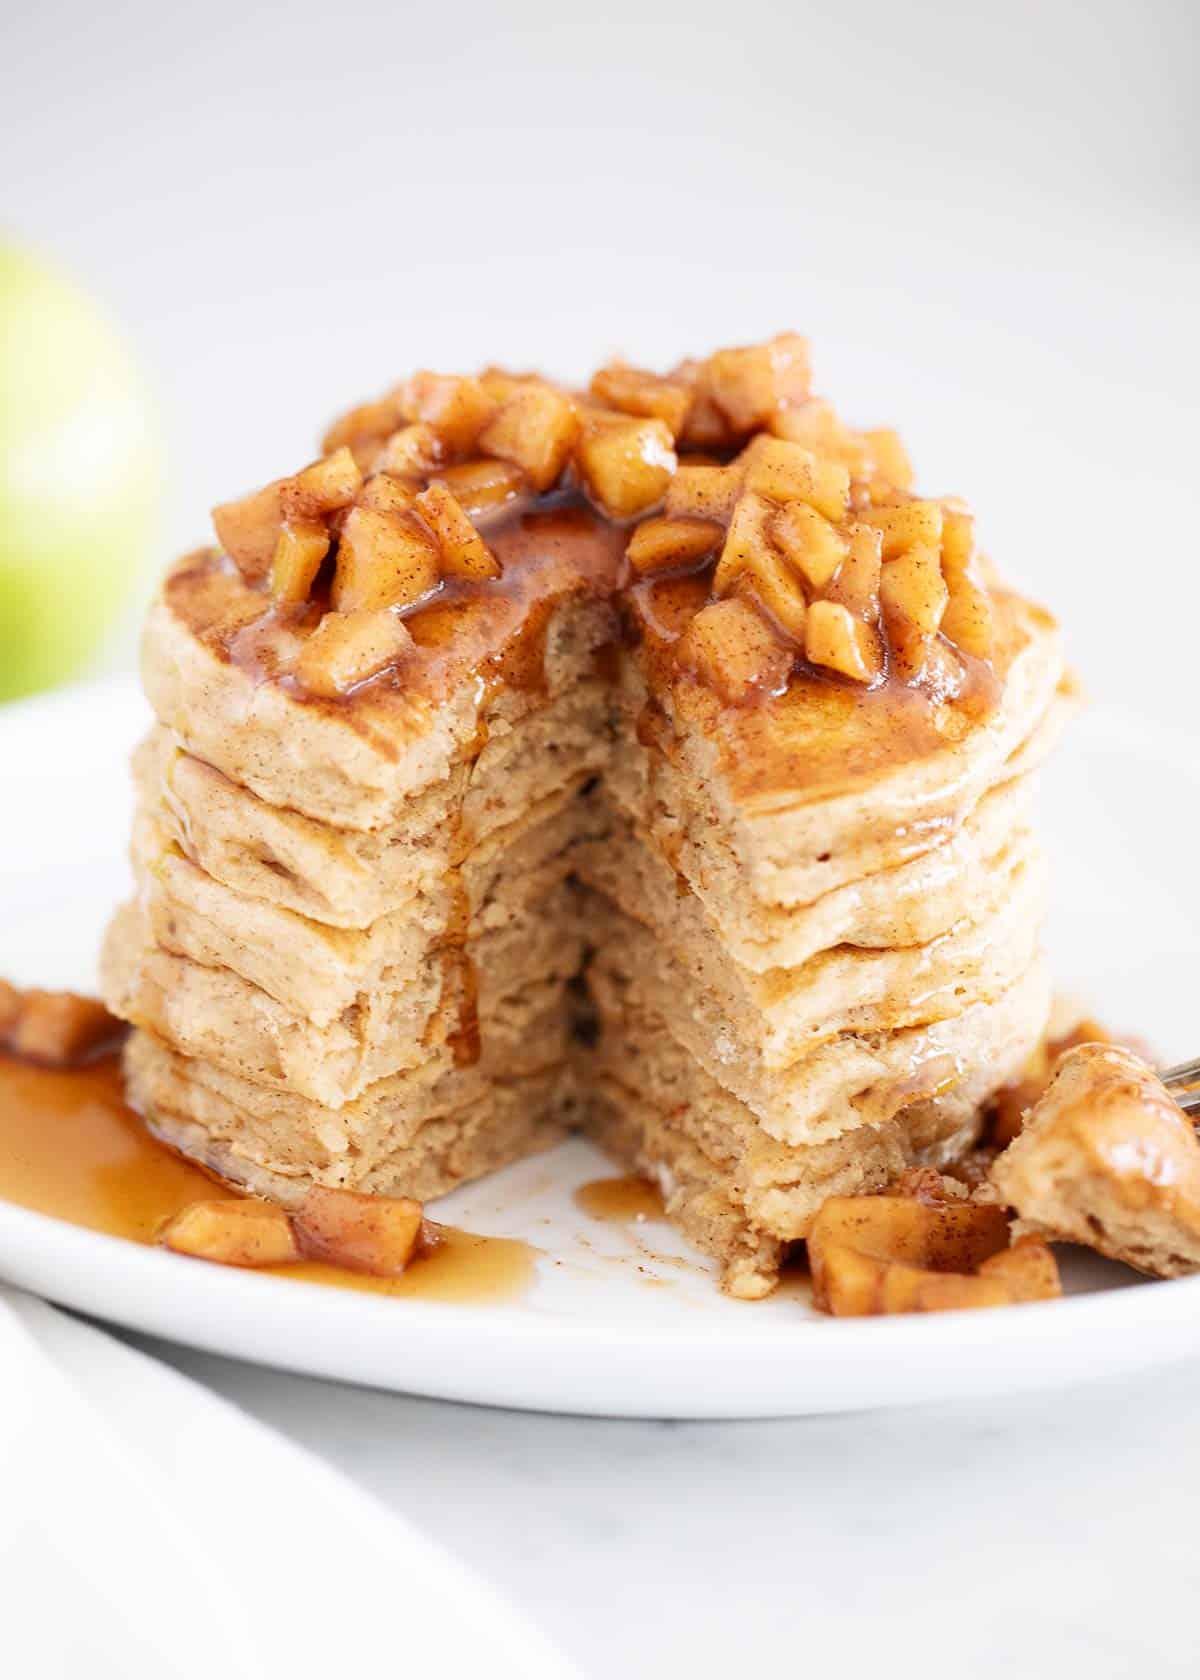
{"x": 986, "y": 218}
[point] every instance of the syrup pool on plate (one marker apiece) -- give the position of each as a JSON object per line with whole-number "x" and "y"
{"x": 71, "y": 1147}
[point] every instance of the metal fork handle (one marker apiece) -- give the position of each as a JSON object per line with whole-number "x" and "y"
{"x": 1183, "y": 1082}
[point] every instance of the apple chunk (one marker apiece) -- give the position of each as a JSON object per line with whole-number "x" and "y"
{"x": 375, "y": 1234}
{"x": 535, "y": 429}
{"x": 626, "y": 465}
{"x": 899, "y": 1254}
{"x": 464, "y": 552}
{"x": 731, "y": 648}
{"x": 384, "y": 560}
{"x": 57, "y": 1029}
{"x": 346, "y": 649}
{"x": 249, "y": 1233}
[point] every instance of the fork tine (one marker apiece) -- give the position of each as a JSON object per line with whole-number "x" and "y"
{"x": 1183, "y": 1082}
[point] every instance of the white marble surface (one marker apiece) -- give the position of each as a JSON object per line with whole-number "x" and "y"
{"x": 1047, "y": 1536}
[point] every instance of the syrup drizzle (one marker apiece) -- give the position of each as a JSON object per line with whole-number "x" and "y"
{"x": 72, "y": 1148}
{"x": 620, "y": 1200}
{"x": 459, "y": 972}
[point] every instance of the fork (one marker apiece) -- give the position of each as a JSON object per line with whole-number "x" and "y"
{"x": 1183, "y": 1082}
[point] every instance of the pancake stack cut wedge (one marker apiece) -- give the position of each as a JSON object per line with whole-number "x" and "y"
{"x": 650, "y": 760}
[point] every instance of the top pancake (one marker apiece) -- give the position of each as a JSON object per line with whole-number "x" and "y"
{"x": 212, "y": 658}
{"x": 824, "y": 770}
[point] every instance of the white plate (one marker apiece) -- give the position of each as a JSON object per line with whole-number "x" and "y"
{"x": 620, "y": 1320}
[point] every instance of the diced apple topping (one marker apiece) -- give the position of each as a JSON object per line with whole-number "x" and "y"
{"x": 816, "y": 582}
{"x": 348, "y": 648}
{"x": 626, "y": 464}
{"x": 363, "y": 429}
{"x": 484, "y": 488}
{"x": 413, "y": 452}
{"x": 703, "y": 493}
{"x": 787, "y": 472}
{"x": 834, "y": 637}
{"x": 502, "y": 383}
{"x": 812, "y": 525}
{"x": 464, "y": 552}
{"x": 248, "y": 530}
{"x": 968, "y": 620}
{"x": 57, "y": 1029}
{"x": 384, "y": 560}
{"x": 379, "y": 1235}
{"x": 771, "y": 582}
{"x": 745, "y": 542}
{"x": 913, "y": 586}
{"x": 815, "y": 424}
{"x": 324, "y": 487}
{"x": 385, "y": 494}
{"x": 909, "y": 648}
{"x": 375, "y": 1234}
{"x": 907, "y": 525}
{"x": 1028, "y": 1270}
{"x": 876, "y": 460}
{"x": 905, "y": 1253}
{"x": 813, "y": 546}
{"x": 301, "y": 546}
{"x": 535, "y": 427}
{"x": 233, "y": 1233}
{"x": 665, "y": 545}
{"x": 456, "y": 409}
{"x": 958, "y": 536}
{"x": 750, "y": 385}
{"x": 889, "y": 458}
{"x": 706, "y": 426}
{"x": 11, "y": 1002}
{"x": 855, "y": 584}
{"x": 634, "y": 391}
{"x": 731, "y": 648}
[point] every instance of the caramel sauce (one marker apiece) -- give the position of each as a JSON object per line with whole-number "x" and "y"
{"x": 606, "y": 663}
{"x": 72, "y": 1148}
{"x": 620, "y": 1200}
{"x": 522, "y": 665}
{"x": 460, "y": 973}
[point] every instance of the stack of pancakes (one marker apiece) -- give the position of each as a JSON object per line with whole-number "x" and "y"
{"x": 350, "y": 958}
{"x": 815, "y": 955}
{"x": 396, "y": 938}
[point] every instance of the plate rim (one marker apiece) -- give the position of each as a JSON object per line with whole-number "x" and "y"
{"x": 496, "y": 1355}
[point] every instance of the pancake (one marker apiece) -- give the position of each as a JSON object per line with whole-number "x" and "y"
{"x": 420, "y": 1134}
{"x": 740, "y": 852}
{"x": 909, "y": 904}
{"x": 777, "y": 1017}
{"x": 651, "y": 760}
{"x": 356, "y": 765}
{"x": 490, "y": 992}
{"x": 849, "y": 1080}
{"x": 321, "y": 971}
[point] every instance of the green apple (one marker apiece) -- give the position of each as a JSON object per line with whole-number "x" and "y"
{"x": 80, "y": 476}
